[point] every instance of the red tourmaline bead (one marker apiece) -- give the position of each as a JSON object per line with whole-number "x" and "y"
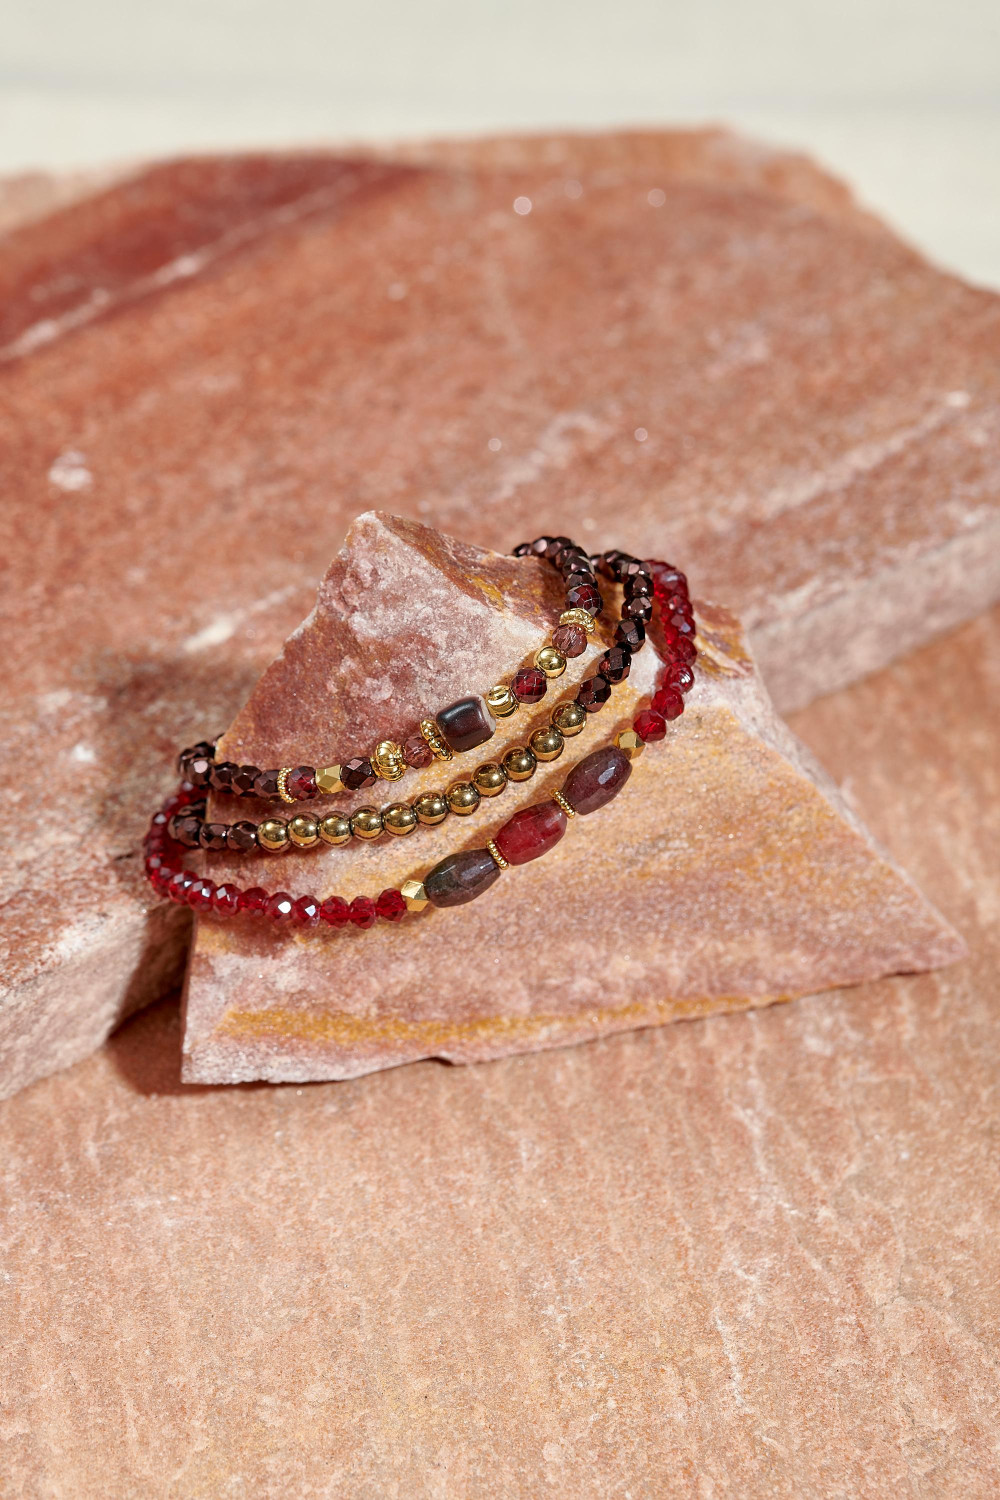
{"x": 200, "y": 894}
{"x": 226, "y": 900}
{"x": 416, "y": 752}
{"x": 681, "y": 677}
{"x": 335, "y": 912}
{"x": 357, "y": 773}
{"x": 390, "y": 906}
{"x": 597, "y": 778}
{"x": 585, "y": 596}
{"x": 531, "y": 832}
{"x": 571, "y": 640}
{"x": 529, "y": 685}
{"x": 669, "y": 702}
{"x": 280, "y": 907}
{"x": 305, "y": 911}
{"x": 650, "y": 725}
{"x": 253, "y": 901}
{"x": 683, "y": 624}
{"x": 363, "y": 911}
{"x": 593, "y": 694}
{"x": 301, "y": 783}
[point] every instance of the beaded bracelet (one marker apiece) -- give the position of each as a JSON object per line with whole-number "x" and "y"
{"x": 460, "y": 877}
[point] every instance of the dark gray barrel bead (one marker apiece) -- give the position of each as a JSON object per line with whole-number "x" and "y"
{"x": 461, "y": 877}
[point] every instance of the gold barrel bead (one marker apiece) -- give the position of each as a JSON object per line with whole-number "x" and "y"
{"x": 558, "y": 798}
{"x": 630, "y": 743}
{"x": 328, "y": 781}
{"x": 569, "y": 718}
{"x": 578, "y": 617}
{"x": 387, "y": 760}
{"x": 272, "y": 835}
{"x": 501, "y": 701}
{"x": 463, "y": 798}
{"x": 399, "y": 818}
{"x": 366, "y": 823}
{"x": 547, "y": 743}
{"x": 435, "y": 739}
{"x": 335, "y": 829}
{"x": 498, "y": 859}
{"x": 283, "y": 791}
{"x": 303, "y": 831}
{"x": 520, "y": 763}
{"x": 550, "y": 661}
{"x": 431, "y": 808}
{"x": 490, "y": 779}
{"x": 413, "y": 893}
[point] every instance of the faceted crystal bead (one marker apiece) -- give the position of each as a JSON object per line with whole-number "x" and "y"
{"x": 279, "y": 907}
{"x": 226, "y": 899}
{"x": 305, "y": 911}
{"x": 213, "y": 836}
{"x": 461, "y": 877}
{"x": 222, "y": 775}
{"x": 639, "y": 608}
{"x": 467, "y": 723}
{"x": 416, "y": 752}
{"x": 178, "y": 885}
{"x": 301, "y": 783}
{"x": 585, "y": 596}
{"x": 200, "y": 894}
{"x": 243, "y": 781}
{"x": 630, "y": 633}
{"x": 593, "y": 694}
{"x": 199, "y": 770}
{"x": 266, "y": 784}
{"x": 597, "y": 778}
{"x": 668, "y": 701}
{"x": 335, "y": 912}
{"x": 357, "y": 773}
{"x": 650, "y": 725}
{"x": 571, "y": 640}
{"x": 241, "y": 837}
{"x": 685, "y": 650}
{"x": 253, "y": 901}
{"x": 531, "y": 832}
{"x": 681, "y": 676}
{"x": 615, "y": 664}
{"x": 185, "y": 828}
{"x": 363, "y": 911}
{"x": 390, "y": 906}
{"x": 529, "y": 685}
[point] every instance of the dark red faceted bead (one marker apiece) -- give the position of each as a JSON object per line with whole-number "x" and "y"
{"x": 305, "y": 911}
{"x": 244, "y": 779}
{"x": 650, "y": 725}
{"x": 639, "y": 608}
{"x": 615, "y": 664}
{"x": 637, "y": 585}
{"x": 681, "y": 676}
{"x": 363, "y": 911}
{"x": 357, "y": 773}
{"x": 571, "y": 640}
{"x": 280, "y": 907}
{"x": 226, "y": 900}
{"x": 185, "y": 828}
{"x": 666, "y": 577}
{"x": 177, "y": 886}
{"x": 635, "y": 568}
{"x": 416, "y": 752}
{"x": 669, "y": 702}
{"x": 630, "y": 633}
{"x": 301, "y": 783}
{"x": 556, "y": 544}
{"x": 668, "y": 635}
{"x": 160, "y": 878}
{"x": 585, "y": 596}
{"x": 539, "y": 547}
{"x": 390, "y": 906}
{"x": 335, "y": 912}
{"x": 253, "y": 901}
{"x": 683, "y": 624}
{"x": 266, "y": 784}
{"x": 577, "y": 579}
{"x": 597, "y": 778}
{"x": 531, "y": 832}
{"x": 569, "y": 559}
{"x": 676, "y": 601}
{"x": 612, "y": 563}
{"x": 222, "y": 775}
{"x": 241, "y": 838}
{"x": 201, "y": 894}
{"x": 461, "y": 877}
{"x": 213, "y": 836}
{"x": 529, "y": 685}
{"x": 685, "y": 649}
{"x": 593, "y": 694}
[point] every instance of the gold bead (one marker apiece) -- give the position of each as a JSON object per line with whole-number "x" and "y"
{"x": 489, "y": 779}
{"x": 501, "y": 701}
{"x": 463, "y": 798}
{"x": 366, "y": 823}
{"x": 413, "y": 893}
{"x": 569, "y": 718}
{"x": 520, "y": 763}
{"x": 399, "y": 818}
{"x": 561, "y": 800}
{"x": 335, "y": 829}
{"x": 387, "y": 760}
{"x": 303, "y": 831}
{"x": 547, "y": 744}
{"x": 630, "y": 743}
{"x": 431, "y": 808}
{"x": 578, "y": 617}
{"x": 498, "y": 859}
{"x": 328, "y": 780}
{"x": 435, "y": 739}
{"x": 272, "y": 835}
{"x": 550, "y": 661}
{"x": 283, "y": 791}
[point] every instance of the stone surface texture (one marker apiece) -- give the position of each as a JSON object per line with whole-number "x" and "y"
{"x": 207, "y": 370}
{"x": 754, "y": 1257}
{"x": 729, "y": 873}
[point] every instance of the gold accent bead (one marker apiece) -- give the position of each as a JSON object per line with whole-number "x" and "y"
{"x": 490, "y": 779}
{"x": 431, "y": 808}
{"x": 413, "y": 893}
{"x": 366, "y": 823}
{"x": 579, "y": 617}
{"x": 550, "y": 661}
{"x": 272, "y": 835}
{"x": 520, "y": 763}
{"x": 399, "y": 818}
{"x": 283, "y": 791}
{"x": 630, "y": 743}
{"x": 547, "y": 744}
{"x": 435, "y": 739}
{"x": 336, "y": 829}
{"x": 498, "y": 859}
{"x": 567, "y": 809}
{"x": 463, "y": 798}
{"x": 569, "y": 718}
{"x": 328, "y": 781}
{"x": 387, "y": 760}
{"x": 501, "y": 701}
{"x": 303, "y": 831}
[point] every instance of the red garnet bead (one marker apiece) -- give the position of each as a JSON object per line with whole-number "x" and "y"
{"x": 301, "y": 783}
{"x": 305, "y": 911}
{"x": 416, "y": 752}
{"x": 571, "y": 640}
{"x": 615, "y": 664}
{"x": 630, "y": 633}
{"x": 390, "y": 906}
{"x": 280, "y": 907}
{"x": 253, "y": 901}
{"x": 650, "y": 725}
{"x": 585, "y": 596}
{"x": 335, "y": 912}
{"x": 357, "y": 773}
{"x": 639, "y": 608}
{"x": 363, "y": 911}
{"x": 531, "y": 832}
{"x": 668, "y": 701}
{"x": 226, "y": 900}
{"x": 593, "y": 694}
{"x": 200, "y": 894}
{"x": 529, "y": 685}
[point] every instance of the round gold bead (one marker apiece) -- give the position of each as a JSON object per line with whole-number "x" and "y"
{"x": 547, "y": 744}
{"x": 335, "y": 829}
{"x": 328, "y": 781}
{"x": 431, "y": 808}
{"x": 438, "y": 744}
{"x": 489, "y": 779}
{"x": 463, "y": 798}
{"x": 387, "y": 760}
{"x": 272, "y": 835}
{"x": 550, "y": 661}
{"x": 520, "y": 763}
{"x": 630, "y": 743}
{"x": 501, "y": 701}
{"x": 569, "y": 718}
{"x": 413, "y": 893}
{"x": 399, "y": 818}
{"x": 578, "y": 617}
{"x": 303, "y": 831}
{"x": 366, "y": 823}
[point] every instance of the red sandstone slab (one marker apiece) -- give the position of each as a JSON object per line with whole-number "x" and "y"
{"x": 210, "y": 369}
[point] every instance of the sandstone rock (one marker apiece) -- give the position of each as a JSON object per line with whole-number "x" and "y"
{"x": 729, "y": 873}
{"x": 209, "y": 369}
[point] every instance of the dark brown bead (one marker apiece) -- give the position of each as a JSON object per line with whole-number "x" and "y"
{"x": 461, "y": 877}
{"x": 593, "y": 694}
{"x": 556, "y": 544}
{"x": 467, "y": 723}
{"x": 357, "y": 773}
{"x": 578, "y": 577}
{"x": 571, "y": 640}
{"x": 634, "y": 567}
{"x": 222, "y": 775}
{"x": 213, "y": 836}
{"x": 244, "y": 779}
{"x": 241, "y": 838}
{"x": 597, "y": 778}
{"x": 185, "y": 828}
{"x": 266, "y": 784}
{"x": 637, "y": 585}
{"x": 630, "y": 633}
{"x": 585, "y": 597}
{"x": 199, "y": 770}
{"x": 640, "y": 608}
{"x": 615, "y": 664}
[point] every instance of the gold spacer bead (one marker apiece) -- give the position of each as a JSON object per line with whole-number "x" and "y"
{"x": 435, "y": 739}
{"x": 558, "y": 797}
{"x": 328, "y": 781}
{"x": 272, "y": 835}
{"x": 520, "y": 763}
{"x": 630, "y": 743}
{"x": 413, "y": 893}
{"x": 303, "y": 831}
{"x": 579, "y": 617}
{"x": 569, "y": 718}
{"x": 550, "y": 661}
{"x": 498, "y": 859}
{"x": 490, "y": 779}
{"x": 501, "y": 701}
{"x": 366, "y": 823}
{"x": 335, "y": 829}
{"x": 547, "y": 744}
{"x": 283, "y": 792}
{"x": 399, "y": 818}
{"x": 387, "y": 760}
{"x": 463, "y": 798}
{"x": 431, "y": 808}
